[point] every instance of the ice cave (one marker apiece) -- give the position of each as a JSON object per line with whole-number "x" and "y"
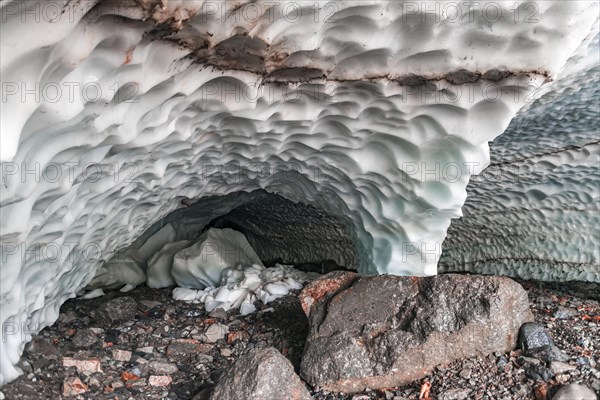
{"x": 341, "y": 158}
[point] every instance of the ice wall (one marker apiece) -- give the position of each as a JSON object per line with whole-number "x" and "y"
{"x": 535, "y": 212}
{"x": 113, "y": 112}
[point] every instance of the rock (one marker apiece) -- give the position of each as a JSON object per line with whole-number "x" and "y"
{"x": 162, "y": 367}
{"x": 121, "y": 355}
{"x": 216, "y": 332}
{"x": 86, "y": 366}
{"x": 118, "y": 309}
{"x": 560, "y": 368}
{"x": 84, "y": 338}
{"x": 41, "y": 347}
{"x": 160, "y": 380}
{"x": 260, "y": 375}
{"x": 536, "y": 342}
{"x": 575, "y": 392}
{"x": 455, "y": 394}
{"x": 73, "y": 386}
{"x": 146, "y": 305}
{"x": 564, "y": 313}
{"x": 539, "y": 373}
{"x": 186, "y": 347}
{"x": 384, "y": 331}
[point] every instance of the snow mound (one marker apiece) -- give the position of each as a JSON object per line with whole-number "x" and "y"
{"x": 200, "y": 266}
{"x": 240, "y": 287}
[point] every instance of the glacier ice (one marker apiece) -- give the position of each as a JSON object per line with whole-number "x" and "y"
{"x": 356, "y": 108}
{"x": 201, "y": 264}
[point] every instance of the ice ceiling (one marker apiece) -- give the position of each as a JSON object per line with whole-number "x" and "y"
{"x": 377, "y": 112}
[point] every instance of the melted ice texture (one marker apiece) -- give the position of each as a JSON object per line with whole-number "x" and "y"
{"x": 183, "y": 127}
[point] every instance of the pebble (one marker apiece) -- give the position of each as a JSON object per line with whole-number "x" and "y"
{"x": 160, "y": 380}
{"x": 161, "y": 367}
{"x": 121, "y": 355}
{"x": 216, "y": 332}
{"x": 73, "y": 386}
{"x": 558, "y": 367}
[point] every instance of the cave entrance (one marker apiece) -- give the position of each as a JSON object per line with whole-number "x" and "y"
{"x": 278, "y": 230}
{"x": 298, "y": 234}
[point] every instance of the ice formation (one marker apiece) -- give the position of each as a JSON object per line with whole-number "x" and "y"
{"x": 201, "y": 264}
{"x": 375, "y": 112}
{"x": 241, "y": 287}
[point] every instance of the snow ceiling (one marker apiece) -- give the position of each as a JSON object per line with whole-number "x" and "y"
{"x": 376, "y": 112}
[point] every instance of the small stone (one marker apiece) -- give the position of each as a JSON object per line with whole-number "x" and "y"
{"x": 204, "y": 358}
{"x": 539, "y": 373}
{"x": 237, "y": 335}
{"x": 86, "y": 366}
{"x": 455, "y": 394}
{"x": 147, "y": 349}
{"x": 118, "y": 309}
{"x": 146, "y": 305}
{"x": 84, "y": 338}
{"x": 183, "y": 347}
{"x": 558, "y": 367}
{"x": 73, "y": 386}
{"x": 219, "y": 313}
{"x": 226, "y": 352}
{"x": 129, "y": 376}
{"x": 121, "y": 355}
{"x": 216, "y": 332}
{"x": 575, "y": 392}
{"x": 465, "y": 373}
{"x": 564, "y": 313}
{"x": 161, "y": 367}
{"x": 160, "y": 380}
{"x": 541, "y": 392}
{"x": 67, "y": 317}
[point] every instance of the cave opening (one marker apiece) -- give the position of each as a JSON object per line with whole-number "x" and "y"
{"x": 279, "y": 231}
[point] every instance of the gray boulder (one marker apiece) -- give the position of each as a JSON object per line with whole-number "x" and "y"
{"x": 535, "y": 341}
{"x": 385, "y": 331}
{"x": 261, "y": 375}
{"x": 575, "y": 392}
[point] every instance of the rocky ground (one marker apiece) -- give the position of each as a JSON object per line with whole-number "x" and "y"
{"x": 144, "y": 345}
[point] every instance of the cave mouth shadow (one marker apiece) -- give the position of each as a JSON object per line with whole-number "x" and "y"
{"x": 279, "y": 230}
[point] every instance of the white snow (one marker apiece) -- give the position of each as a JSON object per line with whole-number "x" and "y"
{"x": 160, "y": 264}
{"x": 200, "y": 265}
{"x": 240, "y": 287}
{"x": 92, "y": 169}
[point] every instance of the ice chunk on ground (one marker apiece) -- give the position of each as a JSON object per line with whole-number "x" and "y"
{"x": 200, "y": 266}
{"x": 185, "y": 294}
{"x": 161, "y": 263}
{"x": 242, "y": 286}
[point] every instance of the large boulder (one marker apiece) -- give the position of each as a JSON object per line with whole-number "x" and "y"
{"x": 200, "y": 265}
{"x": 260, "y": 375}
{"x": 385, "y": 331}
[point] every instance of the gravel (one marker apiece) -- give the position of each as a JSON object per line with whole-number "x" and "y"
{"x": 174, "y": 350}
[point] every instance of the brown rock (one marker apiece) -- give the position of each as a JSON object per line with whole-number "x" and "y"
{"x": 385, "y": 331}
{"x": 73, "y": 386}
{"x": 325, "y": 287}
